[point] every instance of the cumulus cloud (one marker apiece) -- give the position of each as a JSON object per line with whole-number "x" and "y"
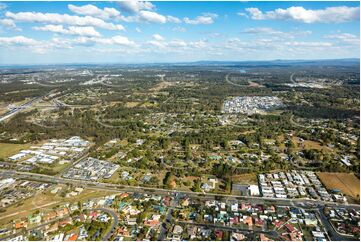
{"x": 172, "y": 19}
{"x": 275, "y": 33}
{"x": 152, "y": 17}
{"x": 206, "y": 18}
{"x": 115, "y": 40}
{"x": 177, "y": 43}
{"x": 174, "y": 45}
{"x": 18, "y": 40}
{"x": 35, "y": 46}
{"x": 55, "y": 18}
{"x": 9, "y": 23}
{"x": 199, "y": 44}
{"x": 316, "y": 44}
{"x": 135, "y": 6}
{"x": 92, "y": 10}
{"x": 328, "y": 15}
{"x": 72, "y": 30}
{"x": 3, "y": 6}
{"x": 345, "y": 38}
{"x": 157, "y": 37}
{"x": 157, "y": 43}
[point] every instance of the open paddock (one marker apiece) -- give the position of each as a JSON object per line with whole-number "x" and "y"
{"x": 347, "y": 183}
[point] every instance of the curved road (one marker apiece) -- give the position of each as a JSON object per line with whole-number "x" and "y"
{"x": 106, "y": 237}
{"x": 115, "y": 223}
{"x": 229, "y": 82}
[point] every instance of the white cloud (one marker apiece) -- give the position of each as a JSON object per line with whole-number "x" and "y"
{"x": 3, "y": 6}
{"x": 242, "y": 14}
{"x": 316, "y": 44}
{"x": 172, "y": 19}
{"x": 157, "y": 37}
{"x": 149, "y": 17}
{"x": 35, "y": 46}
{"x": 328, "y": 15}
{"x": 115, "y": 40}
{"x": 72, "y": 30}
{"x": 144, "y": 11}
{"x": 135, "y": 6}
{"x": 275, "y": 33}
{"x": 261, "y": 31}
{"x": 206, "y": 18}
{"x": 92, "y": 10}
{"x": 55, "y": 18}
{"x": 345, "y": 38}
{"x": 199, "y": 44}
{"x": 177, "y": 43}
{"x": 157, "y": 43}
{"x": 152, "y": 17}
{"x": 9, "y": 23}
{"x": 18, "y": 40}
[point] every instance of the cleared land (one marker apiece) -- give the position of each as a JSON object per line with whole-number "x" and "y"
{"x": 346, "y": 182}
{"x": 248, "y": 179}
{"x": 309, "y": 145}
{"x": 162, "y": 85}
{"x": 8, "y": 149}
{"x": 44, "y": 201}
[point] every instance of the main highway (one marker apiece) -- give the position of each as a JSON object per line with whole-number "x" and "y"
{"x": 301, "y": 202}
{"x": 305, "y": 203}
{"x": 17, "y": 109}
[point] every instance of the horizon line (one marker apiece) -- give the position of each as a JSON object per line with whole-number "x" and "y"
{"x": 180, "y": 62}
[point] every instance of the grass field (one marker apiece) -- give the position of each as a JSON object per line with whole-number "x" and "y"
{"x": 346, "y": 182}
{"x": 7, "y": 149}
{"x": 309, "y": 144}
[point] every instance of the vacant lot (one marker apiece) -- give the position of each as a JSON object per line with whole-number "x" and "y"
{"x": 346, "y": 182}
{"x": 245, "y": 179}
{"x": 309, "y": 144}
{"x": 7, "y": 149}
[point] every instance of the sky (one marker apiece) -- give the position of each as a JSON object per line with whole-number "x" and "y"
{"x": 148, "y": 32}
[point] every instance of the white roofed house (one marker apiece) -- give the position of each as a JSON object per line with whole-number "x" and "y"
{"x": 254, "y": 190}
{"x": 17, "y": 156}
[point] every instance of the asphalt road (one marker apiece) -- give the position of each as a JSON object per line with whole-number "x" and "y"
{"x": 161, "y": 191}
{"x": 334, "y": 235}
{"x": 270, "y": 233}
{"x": 115, "y": 222}
{"x": 168, "y": 218}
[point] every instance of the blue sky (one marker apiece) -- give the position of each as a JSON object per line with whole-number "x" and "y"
{"x": 138, "y": 32}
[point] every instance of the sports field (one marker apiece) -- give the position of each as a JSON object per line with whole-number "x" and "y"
{"x": 348, "y": 183}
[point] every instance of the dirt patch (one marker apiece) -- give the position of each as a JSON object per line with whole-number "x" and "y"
{"x": 254, "y": 84}
{"x": 132, "y": 104}
{"x": 247, "y": 179}
{"x": 346, "y": 182}
{"x": 161, "y": 86}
